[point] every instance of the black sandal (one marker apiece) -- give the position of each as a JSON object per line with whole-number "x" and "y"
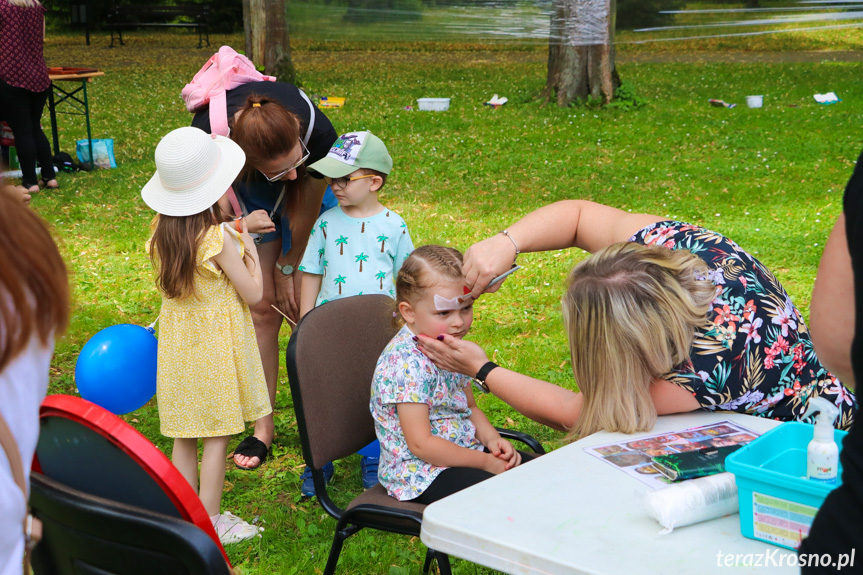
{"x": 252, "y": 447}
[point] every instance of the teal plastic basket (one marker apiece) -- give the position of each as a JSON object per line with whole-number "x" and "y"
{"x": 777, "y": 501}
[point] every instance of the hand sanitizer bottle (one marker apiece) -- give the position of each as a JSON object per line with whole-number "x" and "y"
{"x": 822, "y": 455}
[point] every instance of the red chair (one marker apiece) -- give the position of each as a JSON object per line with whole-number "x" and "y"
{"x": 89, "y": 449}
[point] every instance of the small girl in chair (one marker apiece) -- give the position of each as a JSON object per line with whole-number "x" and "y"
{"x": 434, "y": 439}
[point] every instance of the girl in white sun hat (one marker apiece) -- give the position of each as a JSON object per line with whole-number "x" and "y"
{"x": 210, "y": 377}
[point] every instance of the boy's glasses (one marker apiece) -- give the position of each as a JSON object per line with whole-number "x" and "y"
{"x": 341, "y": 183}
{"x": 281, "y": 175}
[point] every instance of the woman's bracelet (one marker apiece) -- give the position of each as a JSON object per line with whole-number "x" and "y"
{"x": 517, "y": 251}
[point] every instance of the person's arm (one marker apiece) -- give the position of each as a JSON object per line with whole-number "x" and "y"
{"x": 568, "y": 223}
{"x": 832, "y": 306}
{"x": 245, "y": 272}
{"x": 288, "y": 288}
{"x": 414, "y": 421}
{"x": 309, "y": 293}
{"x": 259, "y": 222}
{"x": 489, "y": 436}
{"x": 669, "y": 398}
{"x": 541, "y": 401}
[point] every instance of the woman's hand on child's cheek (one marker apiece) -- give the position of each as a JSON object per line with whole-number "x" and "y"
{"x": 259, "y": 222}
{"x": 453, "y": 354}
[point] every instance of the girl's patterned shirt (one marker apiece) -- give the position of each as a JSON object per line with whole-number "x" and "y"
{"x": 753, "y": 354}
{"x": 405, "y": 375}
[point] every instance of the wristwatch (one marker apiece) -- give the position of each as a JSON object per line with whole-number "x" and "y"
{"x": 483, "y": 372}
{"x": 286, "y": 269}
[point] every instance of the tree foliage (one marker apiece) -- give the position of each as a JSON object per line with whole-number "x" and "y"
{"x": 226, "y": 16}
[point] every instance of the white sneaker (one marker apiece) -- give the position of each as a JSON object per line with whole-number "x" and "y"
{"x": 232, "y": 529}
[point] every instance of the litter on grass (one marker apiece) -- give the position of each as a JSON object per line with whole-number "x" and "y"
{"x": 721, "y": 103}
{"x": 331, "y": 102}
{"x": 828, "y": 98}
{"x": 496, "y": 101}
{"x": 433, "y": 104}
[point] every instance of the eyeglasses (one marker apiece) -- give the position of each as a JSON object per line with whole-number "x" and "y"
{"x": 342, "y": 183}
{"x": 281, "y": 175}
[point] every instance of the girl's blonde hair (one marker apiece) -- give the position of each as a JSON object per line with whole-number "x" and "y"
{"x": 174, "y": 249}
{"x": 631, "y": 312}
{"x": 24, "y": 3}
{"x": 421, "y": 271}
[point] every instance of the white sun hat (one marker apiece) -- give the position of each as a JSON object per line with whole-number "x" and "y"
{"x": 193, "y": 170}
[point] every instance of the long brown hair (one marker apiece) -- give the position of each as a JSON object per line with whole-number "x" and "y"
{"x": 174, "y": 250}
{"x": 631, "y": 312}
{"x": 34, "y": 287}
{"x": 264, "y": 132}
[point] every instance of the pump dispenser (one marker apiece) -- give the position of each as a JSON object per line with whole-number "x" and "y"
{"x": 822, "y": 455}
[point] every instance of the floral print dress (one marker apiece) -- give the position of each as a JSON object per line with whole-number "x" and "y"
{"x": 405, "y": 375}
{"x": 753, "y": 354}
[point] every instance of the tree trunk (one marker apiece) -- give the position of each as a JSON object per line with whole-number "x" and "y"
{"x": 581, "y": 52}
{"x": 268, "y": 42}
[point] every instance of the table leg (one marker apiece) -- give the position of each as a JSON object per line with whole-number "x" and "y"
{"x": 87, "y": 117}
{"x": 53, "y": 113}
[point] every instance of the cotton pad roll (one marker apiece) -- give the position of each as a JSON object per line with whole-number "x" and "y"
{"x": 693, "y": 501}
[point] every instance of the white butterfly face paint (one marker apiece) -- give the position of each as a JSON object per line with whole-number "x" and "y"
{"x": 444, "y": 304}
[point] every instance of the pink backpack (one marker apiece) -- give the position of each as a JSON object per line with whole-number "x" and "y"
{"x": 224, "y": 71}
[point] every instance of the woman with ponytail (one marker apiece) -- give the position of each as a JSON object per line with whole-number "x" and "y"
{"x": 281, "y": 132}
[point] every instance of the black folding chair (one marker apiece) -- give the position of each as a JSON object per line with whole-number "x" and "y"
{"x": 84, "y": 534}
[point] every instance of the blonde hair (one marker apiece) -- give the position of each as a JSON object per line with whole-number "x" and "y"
{"x": 631, "y": 312}
{"x": 421, "y": 270}
{"x": 24, "y": 3}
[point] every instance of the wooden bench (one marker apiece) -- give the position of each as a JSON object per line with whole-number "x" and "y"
{"x": 127, "y": 16}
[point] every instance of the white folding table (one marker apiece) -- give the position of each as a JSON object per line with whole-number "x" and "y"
{"x": 570, "y": 512}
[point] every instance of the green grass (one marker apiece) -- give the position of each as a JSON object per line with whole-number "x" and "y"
{"x": 771, "y": 179}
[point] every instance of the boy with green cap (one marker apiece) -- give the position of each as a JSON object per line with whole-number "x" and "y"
{"x": 356, "y": 247}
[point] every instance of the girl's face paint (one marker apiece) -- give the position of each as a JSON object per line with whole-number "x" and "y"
{"x": 440, "y": 311}
{"x": 446, "y": 304}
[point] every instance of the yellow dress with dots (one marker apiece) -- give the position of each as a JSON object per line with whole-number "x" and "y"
{"x": 210, "y": 378}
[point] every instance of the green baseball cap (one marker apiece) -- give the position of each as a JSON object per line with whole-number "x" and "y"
{"x": 353, "y": 151}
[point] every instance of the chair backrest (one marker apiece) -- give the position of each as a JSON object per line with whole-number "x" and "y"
{"x": 331, "y": 359}
{"x": 88, "y": 448}
{"x": 88, "y": 535}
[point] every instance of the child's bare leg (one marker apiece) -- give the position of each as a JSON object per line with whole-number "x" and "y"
{"x": 213, "y": 473}
{"x": 185, "y": 458}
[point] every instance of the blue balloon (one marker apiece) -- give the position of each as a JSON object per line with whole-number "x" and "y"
{"x": 116, "y": 369}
